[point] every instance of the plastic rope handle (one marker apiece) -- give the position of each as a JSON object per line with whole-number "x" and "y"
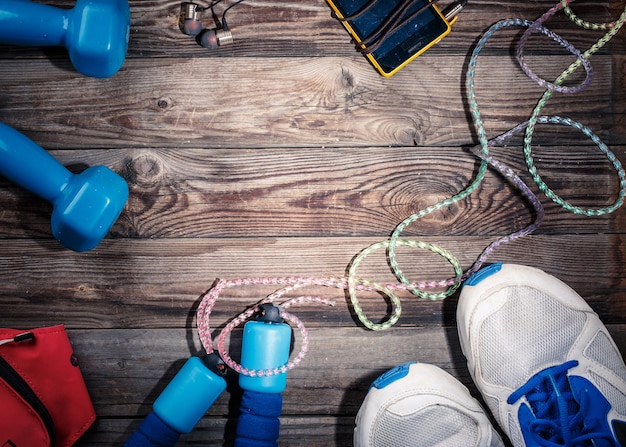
{"x": 265, "y": 343}
{"x": 183, "y": 402}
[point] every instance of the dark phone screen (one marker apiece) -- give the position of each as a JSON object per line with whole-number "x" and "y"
{"x": 404, "y": 42}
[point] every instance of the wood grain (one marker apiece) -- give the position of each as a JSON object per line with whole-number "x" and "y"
{"x": 143, "y": 284}
{"x": 303, "y": 102}
{"x": 286, "y": 154}
{"x": 276, "y": 29}
{"x": 322, "y": 394}
{"x": 321, "y": 192}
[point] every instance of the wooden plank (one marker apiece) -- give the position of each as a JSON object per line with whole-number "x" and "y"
{"x": 307, "y": 431}
{"x": 323, "y": 384}
{"x": 321, "y": 102}
{"x": 308, "y": 28}
{"x": 320, "y": 192}
{"x": 278, "y": 29}
{"x": 619, "y": 96}
{"x": 326, "y": 382}
{"x": 158, "y": 283}
{"x": 325, "y": 391}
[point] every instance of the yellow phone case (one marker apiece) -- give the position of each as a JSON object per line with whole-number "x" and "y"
{"x": 372, "y": 58}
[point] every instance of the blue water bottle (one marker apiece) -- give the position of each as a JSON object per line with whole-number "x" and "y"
{"x": 182, "y": 403}
{"x": 266, "y": 345}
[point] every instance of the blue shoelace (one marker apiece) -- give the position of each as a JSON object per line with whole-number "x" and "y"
{"x": 563, "y": 410}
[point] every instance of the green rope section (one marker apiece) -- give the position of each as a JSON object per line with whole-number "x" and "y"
{"x": 396, "y": 307}
{"x": 583, "y": 24}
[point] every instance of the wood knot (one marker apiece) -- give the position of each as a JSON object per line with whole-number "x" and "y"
{"x": 144, "y": 170}
{"x": 355, "y": 95}
{"x": 165, "y": 103}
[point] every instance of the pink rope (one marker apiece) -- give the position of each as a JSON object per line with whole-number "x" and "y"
{"x": 289, "y": 284}
{"x": 210, "y": 298}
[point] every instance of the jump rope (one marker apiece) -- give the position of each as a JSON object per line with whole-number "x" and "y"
{"x": 355, "y": 285}
{"x": 194, "y": 389}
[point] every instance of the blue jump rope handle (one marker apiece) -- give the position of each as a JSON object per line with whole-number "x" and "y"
{"x": 265, "y": 345}
{"x": 259, "y": 424}
{"x": 180, "y": 405}
{"x": 153, "y": 432}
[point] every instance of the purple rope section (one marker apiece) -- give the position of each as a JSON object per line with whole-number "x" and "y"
{"x": 513, "y": 178}
{"x": 537, "y": 26}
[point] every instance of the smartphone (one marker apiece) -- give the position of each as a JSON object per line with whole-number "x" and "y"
{"x": 415, "y": 34}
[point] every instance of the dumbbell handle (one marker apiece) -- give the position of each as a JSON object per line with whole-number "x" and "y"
{"x": 30, "y": 166}
{"x": 32, "y": 24}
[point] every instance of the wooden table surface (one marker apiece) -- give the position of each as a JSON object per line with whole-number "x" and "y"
{"x": 286, "y": 154}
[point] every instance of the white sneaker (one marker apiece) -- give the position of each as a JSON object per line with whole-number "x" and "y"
{"x": 544, "y": 362}
{"x": 416, "y": 404}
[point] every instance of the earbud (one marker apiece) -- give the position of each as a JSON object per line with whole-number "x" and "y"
{"x": 214, "y": 38}
{"x": 191, "y": 25}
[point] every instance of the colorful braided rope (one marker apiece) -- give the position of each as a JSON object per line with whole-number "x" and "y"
{"x": 423, "y": 289}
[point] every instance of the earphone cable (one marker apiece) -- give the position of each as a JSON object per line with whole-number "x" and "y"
{"x": 224, "y": 24}
{"x": 211, "y": 7}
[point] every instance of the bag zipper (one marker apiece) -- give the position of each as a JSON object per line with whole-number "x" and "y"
{"x": 15, "y": 381}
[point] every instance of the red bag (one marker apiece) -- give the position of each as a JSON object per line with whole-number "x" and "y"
{"x": 44, "y": 400}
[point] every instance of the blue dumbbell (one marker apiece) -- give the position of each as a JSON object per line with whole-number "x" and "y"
{"x": 95, "y": 32}
{"x": 85, "y": 205}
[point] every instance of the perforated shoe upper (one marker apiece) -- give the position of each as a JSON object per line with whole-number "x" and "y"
{"x": 417, "y": 404}
{"x": 546, "y": 365}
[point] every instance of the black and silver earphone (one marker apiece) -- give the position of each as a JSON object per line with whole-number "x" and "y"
{"x": 191, "y": 25}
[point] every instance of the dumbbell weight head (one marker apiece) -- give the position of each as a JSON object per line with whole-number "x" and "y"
{"x": 88, "y": 207}
{"x": 97, "y": 37}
